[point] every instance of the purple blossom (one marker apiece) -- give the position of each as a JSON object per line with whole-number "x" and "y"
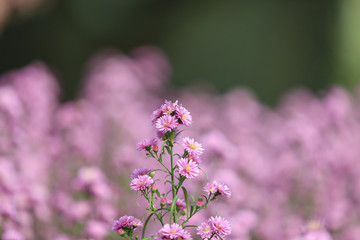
{"x": 142, "y": 182}
{"x": 166, "y": 123}
{"x": 125, "y": 223}
{"x": 188, "y": 168}
{"x": 146, "y": 144}
{"x": 140, "y": 172}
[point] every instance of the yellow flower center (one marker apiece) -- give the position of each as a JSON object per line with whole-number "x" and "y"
{"x": 192, "y": 146}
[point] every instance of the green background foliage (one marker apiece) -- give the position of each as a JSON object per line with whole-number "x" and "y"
{"x": 266, "y": 46}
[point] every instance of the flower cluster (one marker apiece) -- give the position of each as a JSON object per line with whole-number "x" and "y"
{"x": 217, "y": 188}
{"x": 178, "y": 211}
{"x": 169, "y": 116}
{"x": 214, "y": 228}
{"x": 126, "y": 224}
{"x": 173, "y": 231}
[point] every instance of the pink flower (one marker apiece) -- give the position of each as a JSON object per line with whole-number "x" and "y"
{"x": 217, "y": 188}
{"x": 146, "y": 144}
{"x": 173, "y": 231}
{"x": 141, "y": 182}
{"x": 187, "y": 168}
{"x": 220, "y": 226}
{"x": 214, "y": 226}
{"x": 159, "y": 134}
{"x": 156, "y": 115}
{"x": 168, "y": 107}
{"x": 163, "y": 201}
{"x": 140, "y": 172}
{"x": 183, "y": 115}
{"x": 185, "y": 235}
{"x": 192, "y": 147}
{"x": 166, "y": 123}
{"x": 210, "y": 188}
{"x": 194, "y": 157}
{"x": 223, "y": 189}
{"x": 126, "y": 223}
{"x": 204, "y": 230}
{"x": 200, "y": 203}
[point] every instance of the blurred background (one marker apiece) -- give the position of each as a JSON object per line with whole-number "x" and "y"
{"x": 266, "y": 46}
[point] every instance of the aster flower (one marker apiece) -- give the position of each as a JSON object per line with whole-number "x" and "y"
{"x": 219, "y": 226}
{"x": 146, "y": 144}
{"x": 194, "y": 157}
{"x": 168, "y": 107}
{"x": 184, "y": 235}
{"x": 126, "y": 223}
{"x": 166, "y": 123}
{"x": 183, "y": 115}
{"x": 204, "y": 230}
{"x": 141, "y": 182}
{"x": 187, "y": 168}
{"x": 140, "y": 172}
{"x": 159, "y": 134}
{"x": 223, "y": 189}
{"x": 210, "y": 188}
{"x": 156, "y": 115}
{"x": 173, "y": 231}
{"x": 192, "y": 147}
{"x": 217, "y": 188}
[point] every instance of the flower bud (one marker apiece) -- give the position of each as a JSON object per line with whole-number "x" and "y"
{"x": 183, "y": 212}
{"x": 121, "y": 232}
{"x": 155, "y": 148}
{"x": 154, "y": 188}
{"x": 136, "y": 237}
{"x": 199, "y": 203}
{"x": 152, "y": 174}
{"x": 163, "y": 202}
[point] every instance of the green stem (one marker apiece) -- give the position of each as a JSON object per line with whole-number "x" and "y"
{"x": 173, "y": 178}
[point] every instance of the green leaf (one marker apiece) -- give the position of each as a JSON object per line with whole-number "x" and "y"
{"x": 146, "y": 222}
{"x": 162, "y": 170}
{"x": 207, "y": 177}
{"x": 167, "y": 149}
{"x": 173, "y": 207}
{"x": 194, "y": 203}
{"x": 190, "y": 226}
{"x": 154, "y": 236}
{"x": 178, "y": 133}
{"x": 186, "y": 201}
